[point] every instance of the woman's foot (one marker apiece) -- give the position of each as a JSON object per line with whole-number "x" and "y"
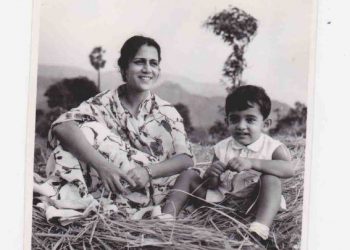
{"x": 157, "y": 214}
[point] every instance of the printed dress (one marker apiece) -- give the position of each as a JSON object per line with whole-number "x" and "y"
{"x": 154, "y": 135}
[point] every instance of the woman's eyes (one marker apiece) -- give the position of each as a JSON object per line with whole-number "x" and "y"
{"x": 138, "y": 62}
{"x": 142, "y": 62}
{"x": 154, "y": 63}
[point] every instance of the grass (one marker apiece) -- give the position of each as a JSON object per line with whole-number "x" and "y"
{"x": 211, "y": 227}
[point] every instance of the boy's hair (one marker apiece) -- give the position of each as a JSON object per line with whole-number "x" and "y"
{"x": 244, "y": 97}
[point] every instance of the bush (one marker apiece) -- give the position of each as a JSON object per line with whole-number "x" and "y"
{"x": 62, "y": 96}
{"x": 70, "y": 92}
{"x": 218, "y": 131}
{"x": 294, "y": 123}
{"x": 185, "y": 114}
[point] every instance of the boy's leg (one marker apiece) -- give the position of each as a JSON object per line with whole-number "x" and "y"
{"x": 268, "y": 205}
{"x": 188, "y": 181}
{"x": 269, "y": 199}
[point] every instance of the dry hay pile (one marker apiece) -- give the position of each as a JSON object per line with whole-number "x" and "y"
{"x": 213, "y": 227}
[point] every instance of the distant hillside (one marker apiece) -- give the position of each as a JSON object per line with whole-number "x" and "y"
{"x": 200, "y": 117}
{"x": 204, "y": 111}
{"x": 111, "y": 79}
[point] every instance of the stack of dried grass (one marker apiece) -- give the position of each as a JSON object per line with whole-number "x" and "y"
{"x": 216, "y": 227}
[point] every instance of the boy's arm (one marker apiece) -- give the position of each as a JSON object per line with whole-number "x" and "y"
{"x": 279, "y": 166}
{"x": 212, "y": 174}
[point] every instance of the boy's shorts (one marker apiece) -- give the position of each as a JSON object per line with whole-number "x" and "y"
{"x": 244, "y": 185}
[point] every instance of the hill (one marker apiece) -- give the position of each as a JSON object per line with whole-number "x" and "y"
{"x": 200, "y": 117}
{"x": 111, "y": 79}
{"x": 204, "y": 109}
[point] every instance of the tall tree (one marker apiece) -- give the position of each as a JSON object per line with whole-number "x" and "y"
{"x": 236, "y": 28}
{"x": 97, "y": 61}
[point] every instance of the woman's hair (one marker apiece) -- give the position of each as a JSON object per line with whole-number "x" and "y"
{"x": 130, "y": 48}
{"x": 244, "y": 97}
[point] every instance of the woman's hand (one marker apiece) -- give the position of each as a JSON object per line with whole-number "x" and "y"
{"x": 239, "y": 164}
{"x": 111, "y": 178}
{"x": 140, "y": 176}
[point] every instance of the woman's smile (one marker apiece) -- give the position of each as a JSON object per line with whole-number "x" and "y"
{"x": 145, "y": 78}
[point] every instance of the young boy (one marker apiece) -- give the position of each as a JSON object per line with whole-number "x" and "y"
{"x": 248, "y": 162}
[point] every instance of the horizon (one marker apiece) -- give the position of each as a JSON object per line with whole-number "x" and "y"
{"x": 161, "y": 82}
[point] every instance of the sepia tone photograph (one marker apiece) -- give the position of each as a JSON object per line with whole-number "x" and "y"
{"x": 170, "y": 124}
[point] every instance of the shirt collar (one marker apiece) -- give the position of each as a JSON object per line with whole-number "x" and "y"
{"x": 255, "y": 146}
{"x": 146, "y": 103}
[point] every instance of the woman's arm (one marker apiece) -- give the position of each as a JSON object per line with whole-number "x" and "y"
{"x": 172, "y": 166}
{"x": 169, "y": 167}
{"x": 73, "y": 140}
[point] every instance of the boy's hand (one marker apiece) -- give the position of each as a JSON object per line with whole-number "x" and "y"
{"x": 216, "y": 169}
{"x": 239, "y": 164}
{"x": 140, "y": 176}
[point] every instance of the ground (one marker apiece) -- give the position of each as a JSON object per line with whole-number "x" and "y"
{"x": 211, "y": 227}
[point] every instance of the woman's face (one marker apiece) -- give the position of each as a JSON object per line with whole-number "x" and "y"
{"x": 143, "y": 70}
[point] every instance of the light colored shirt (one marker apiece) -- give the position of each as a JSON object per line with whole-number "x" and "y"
{"x": 237, "y": 183}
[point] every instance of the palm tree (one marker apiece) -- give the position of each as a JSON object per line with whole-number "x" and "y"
{"x": 97, "y": 61}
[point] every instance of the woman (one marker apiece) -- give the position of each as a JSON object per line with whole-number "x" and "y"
{"x": 128, "y": 141}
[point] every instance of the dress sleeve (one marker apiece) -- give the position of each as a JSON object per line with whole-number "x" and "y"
{"x": 181, "y": 142}
{"x": 87, "y": 111}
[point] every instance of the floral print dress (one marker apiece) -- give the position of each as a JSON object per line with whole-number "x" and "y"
{"x": 155, "y": 134}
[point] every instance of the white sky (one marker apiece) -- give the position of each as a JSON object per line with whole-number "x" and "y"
{"x": 277, "y": 57}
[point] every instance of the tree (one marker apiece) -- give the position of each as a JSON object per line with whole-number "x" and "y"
{"x": 236, "y": 28}
{"x": 185, "y": 114}
{"x": 97, "y": 61}
{"x": 62, "y": 96}
{"x": 70, "y": 92}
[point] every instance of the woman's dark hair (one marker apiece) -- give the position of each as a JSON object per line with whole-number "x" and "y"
{"x": 130, "y": 48}
{"x": 244, "y": 97}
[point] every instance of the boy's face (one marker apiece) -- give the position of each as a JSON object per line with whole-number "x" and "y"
{"x": 247, "y": 125}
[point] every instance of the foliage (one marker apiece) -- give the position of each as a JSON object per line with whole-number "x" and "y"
{"x": 70, "y": 92}
{"x": 218, "y": 131}
{"x": 185, "y": 114}
{"x": 97, "y": 61}
{"x": 43, "y": 122}
{"x": 237, "y": 28}
{"x": 294, "y": 123}
{"x": 62, "y": 96}
{"x": 199, "y": 135}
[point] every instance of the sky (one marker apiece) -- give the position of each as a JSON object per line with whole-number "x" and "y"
{"x": 277, "y": 58}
